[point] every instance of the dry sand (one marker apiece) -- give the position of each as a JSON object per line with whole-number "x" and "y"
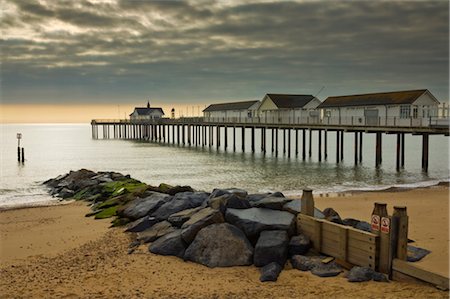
{"x": 55, "y": 252}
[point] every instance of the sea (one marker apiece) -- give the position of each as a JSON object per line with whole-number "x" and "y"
{"x": 54, "y": 149}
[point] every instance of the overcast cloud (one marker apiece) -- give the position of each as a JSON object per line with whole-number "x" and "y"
{"x": 208, "y": 51}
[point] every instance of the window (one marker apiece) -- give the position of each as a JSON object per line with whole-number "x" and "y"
{"x": 405, "y": 111}
{"x": 415, "y": 112}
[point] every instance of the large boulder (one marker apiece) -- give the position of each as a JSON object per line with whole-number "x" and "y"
{"x": 66, "y": 193}
{"x": 228, "y": 200}
{"x": 272, "y": 246}
{"x": 170, "y": 244}
{"x": 238, "y": 192}
{"x": 199, "y": 220}
{"x": 299, "y": 245}
{"x": 259, "y": 196}
{"x": 270, "y": 272}
{"x": 76, "y": 180}
{"x": 255, "y": 220}
{"x": 156, "y": 231}
{"x": 141, "y": 207}
{"x": 141, "y": 224}
{"x": 181, "y": 201}
{"x": 220, "y": 245}
{"x": 181, "y": 217}
{"x": 270, "y": 202}
{"x": 295, "y": 207}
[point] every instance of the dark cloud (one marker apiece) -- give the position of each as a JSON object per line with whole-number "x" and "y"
{"x": 207, "y": 51}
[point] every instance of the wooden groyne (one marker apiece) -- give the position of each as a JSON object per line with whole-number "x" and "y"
{"x": 201, "y": 132}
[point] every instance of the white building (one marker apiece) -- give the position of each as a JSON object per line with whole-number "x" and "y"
{"x": 231, "y": 112}
{"x": 289, "y": 108}
{"x": 146, "y": 113}
{"x": 400, "y": 108}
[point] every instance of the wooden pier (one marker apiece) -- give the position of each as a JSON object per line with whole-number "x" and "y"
{"x": 198, "y": 132}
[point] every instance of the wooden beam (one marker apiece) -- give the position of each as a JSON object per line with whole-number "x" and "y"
{"x": 414, "y": 271}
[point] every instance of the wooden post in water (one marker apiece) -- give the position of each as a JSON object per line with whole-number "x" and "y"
{"x": 425, "y": 145}
{"x": 303, "y": 144}
{"x": 400, "y": 216}
{"x": 398, "y": 151}
{"x": 296, "y": 142}
{"x": 402, "y": 149}
{"x": 378, "y": 149}
{"x": 273, "y": 141}
{"x": 310, "y": 143}
{"x": 225, "y": 136}
{"x": 276, "y": 142}
{"x": 360, "y": 146}
{"x": 218, "y": 137}
{"x": 307, "y": 203}
{"x": 243, "y": 139}
{"x": 319, "y": 145}
{"x": 326, "y": 144}
{"x": 253, "y": 138}
{"x": 342, "y": 145}
{"x": 338, "y": 147}
{"x": 356, "y": 148}
{"x": 234, "y": 138}
{"x": 289, "y": 142}
{"x": 19, "y": 136}
{"x": 23, "y": 155}
{"x": 264, "y": 139}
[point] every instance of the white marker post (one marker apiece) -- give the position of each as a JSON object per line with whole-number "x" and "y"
{"x": 19, "y": 136}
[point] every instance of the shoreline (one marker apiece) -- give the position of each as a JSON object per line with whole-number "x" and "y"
{"x": 57, "y": 252}
{"x": 55, "y": 201}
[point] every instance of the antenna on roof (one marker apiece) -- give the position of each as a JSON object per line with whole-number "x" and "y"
{"x": 323, "y": 87}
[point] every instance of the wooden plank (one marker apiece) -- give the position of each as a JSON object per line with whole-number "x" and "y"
{"x": 361, "y": 259}
{"x": 421, "y": 274}
{"x": 330, "y": 237}
{"x": 329, "y": 227}
{"x": 317, "y": 236}
{"x": 343, "y": 243}
{"x": 365, "y": 246}
{"x": 361, "y": 235}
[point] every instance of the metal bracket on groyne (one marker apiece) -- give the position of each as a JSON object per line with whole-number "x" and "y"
{"x": 384, "y": 249}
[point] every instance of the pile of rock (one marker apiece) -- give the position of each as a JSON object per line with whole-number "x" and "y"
{"x": 227, "y": 227}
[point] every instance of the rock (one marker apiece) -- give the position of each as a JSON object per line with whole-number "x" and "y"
{"x": 270, "y": 272}
{"x": 238, "y": 192}
{"x": 65, "y": 193}
{"x": 220, "y": 245}
{"x": 181, "y": 201}
{"x": 181, "y": 217}
{"x": 299, "y": 245}
{"x": 229, "y": 200}
{"x": 332, "y": 216}
{"x": 156, "y": 231}
{"x": 179, "y": 189}
{"x": 380, "y": 277}
{"x": 170, "y": 244}
{"x": 327, "y": 270}
{"x": 106, "y": 213}
{"x": 416, "y": 254}
{"x": 199, "y": 220}
{"x": 255, "y": 220}
{"x": 141, "y": 207}
{"x": 272, "y": 246}
{"x": 77, "y": 180}
{"x": 305, "y": 263}
{"x": 256, "y": 197}
{"x": 141, "y": 224}
{"x": 361, "y": 225}
{"x": 270, "y": 202}
{"x": 360, "y": 274}
{"x": 350, "y": 222}
{"x": 217, "y": 193}
{"x": 295, "y": 207}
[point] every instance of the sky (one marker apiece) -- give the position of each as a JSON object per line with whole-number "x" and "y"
{"x": 74, "y": 60}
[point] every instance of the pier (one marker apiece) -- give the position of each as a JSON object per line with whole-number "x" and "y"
{"x": 207, "y": 132}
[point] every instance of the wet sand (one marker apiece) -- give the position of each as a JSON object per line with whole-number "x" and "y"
{"x": 54, "y": 252}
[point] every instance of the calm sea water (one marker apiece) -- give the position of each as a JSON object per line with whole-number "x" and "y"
{"x": 53, "y": 149}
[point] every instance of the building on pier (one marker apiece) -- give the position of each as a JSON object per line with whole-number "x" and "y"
{"x": 289, "y": 108}
{"x": 146, "y": 113}
{"x": 411, "y": 108}
{"x": 231, "y": 111}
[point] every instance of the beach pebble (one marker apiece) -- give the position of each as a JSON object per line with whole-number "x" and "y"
{"x": 270, "y": 272}
{"x": 272, "y": 246}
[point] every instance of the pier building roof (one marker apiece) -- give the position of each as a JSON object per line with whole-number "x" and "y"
{"x": 289, "y": 101}
{"x": 230, "y": 106}
{"x": 380, "y": 98}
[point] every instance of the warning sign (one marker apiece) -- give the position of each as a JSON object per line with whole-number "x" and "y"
{"x": 385, "y": 225}
{"x": 375, "y": 224}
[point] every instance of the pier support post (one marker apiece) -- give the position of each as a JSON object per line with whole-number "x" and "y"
{"x": 356, "y": 148}
{"x": 276, "y": 142}
{"x": 289, "y": 142}
{"x": 342, "y": 145}
{"x": 402, "y": 149}
{"x": 234, "y": 139}
{"x": 217, "y": 137}
{"x": 320, "y": 145}
{"x": 225, "y": 136}
{"x": 296, "y": 142}
{"x": 425, "y": 145}
{"x": 273, "y": 142}
{"x": 360, "y": 146}
{"x": 378, "y": 149}
{"x": 253, "y": 138}
{"x": 310, "y": 144}
{"x": 243, "y": 139}
{"x": 398, "y": 151}
{"x": 326, "y": 145}
{"x": 303, "y": 144}
{"x": 338, "y": 147}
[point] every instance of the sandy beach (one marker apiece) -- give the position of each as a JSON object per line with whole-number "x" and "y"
{"x": 56, "y": 252}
